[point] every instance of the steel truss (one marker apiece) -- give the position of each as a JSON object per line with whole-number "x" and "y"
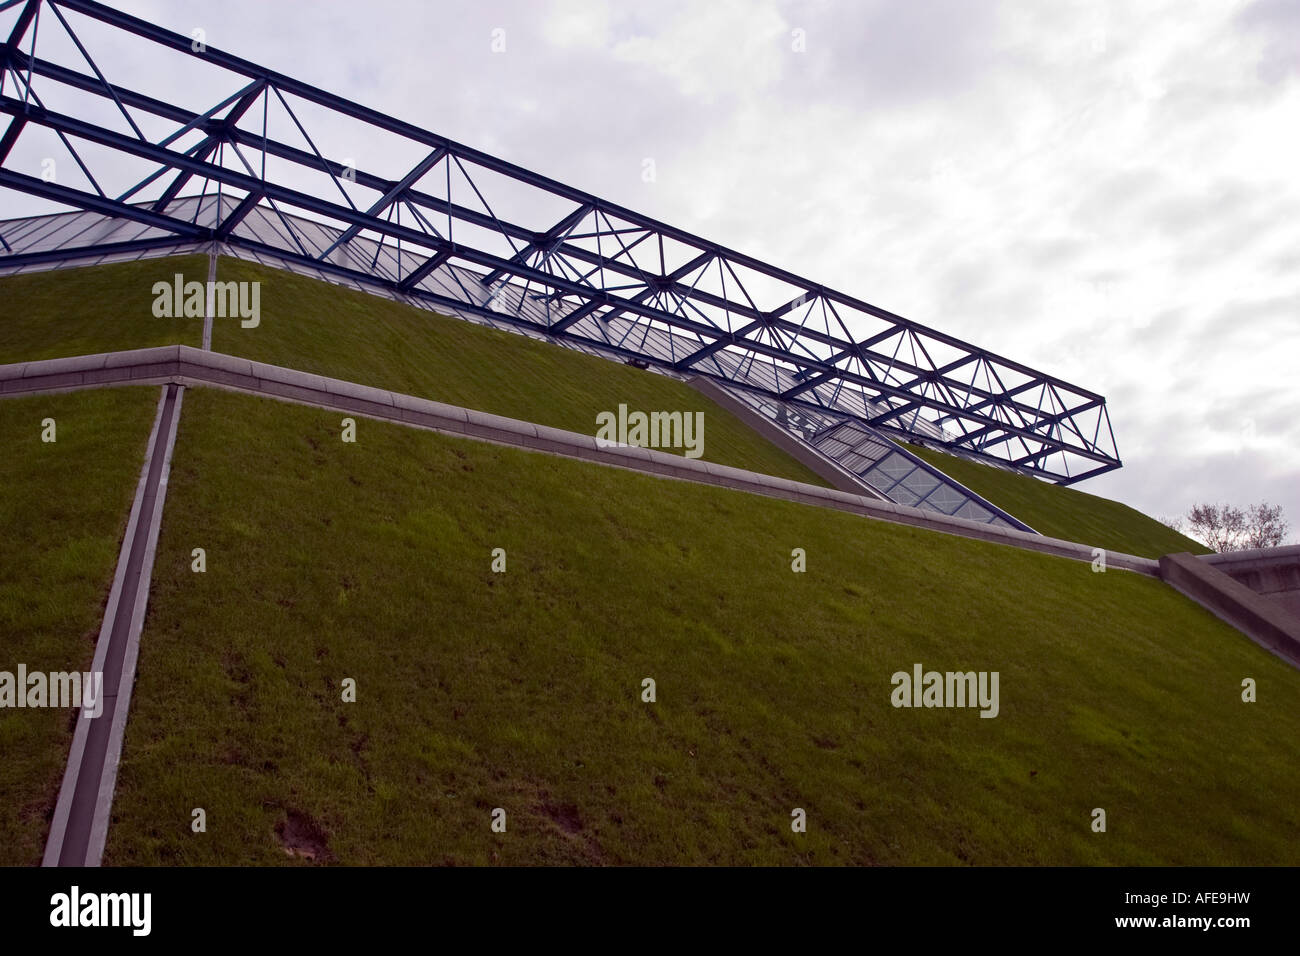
{"x": 595, "y": 275}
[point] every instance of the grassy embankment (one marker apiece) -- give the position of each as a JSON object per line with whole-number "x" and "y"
{"x": 522, "y": 690}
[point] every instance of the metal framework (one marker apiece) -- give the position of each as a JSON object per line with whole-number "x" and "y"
{"x": 459, "y": 229}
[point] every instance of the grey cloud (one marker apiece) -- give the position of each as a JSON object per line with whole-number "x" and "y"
{"x": 1166, "y": 326}
{"x": 1270, "y": 410}
{"x": 1247, "y": 313}
{"x": 897, "y": 53}
{"x": 1050, "y": 252}
{"x": 1183, "y": 479}
{"x": 1278, "y": 22}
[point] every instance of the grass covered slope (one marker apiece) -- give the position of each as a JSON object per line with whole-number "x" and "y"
{"x": 317, "y": 327}
{"x": 62, "y": 516}
{"x": 81, "y": 311}
{"x": 1061, "y": 512}
{"x": 522, "y": 690}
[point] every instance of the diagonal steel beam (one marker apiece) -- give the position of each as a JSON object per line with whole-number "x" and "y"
{"x": 81, "y": 199}
{"x": 23, "y": 22}
{"x": 435, "y": 261}
{"x": 387, "y": 199}
{"x": 15, "y": 127}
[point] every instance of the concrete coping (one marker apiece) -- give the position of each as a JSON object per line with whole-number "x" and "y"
{"x": 151, "y": 356}
{"x": 1259, "y": 557}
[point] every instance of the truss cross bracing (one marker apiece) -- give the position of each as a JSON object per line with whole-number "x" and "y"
{"x": 285, "y": 170}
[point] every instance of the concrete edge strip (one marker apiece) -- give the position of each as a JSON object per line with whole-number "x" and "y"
{"x": 121, "y": 710}
{"x": 63, "y": 805}
{"x": 189, "y": 366}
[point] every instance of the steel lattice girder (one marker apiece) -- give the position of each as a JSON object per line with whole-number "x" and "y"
{"x": 583, "y": 272}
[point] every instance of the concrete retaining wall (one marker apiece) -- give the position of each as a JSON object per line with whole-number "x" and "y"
{"x": 1272, "y": 572}
{"x": 1259, "y": 618}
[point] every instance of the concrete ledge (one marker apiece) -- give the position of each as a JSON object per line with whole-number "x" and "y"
{"x": 363, "y": 393}
{"x": 293, "y": 378}
{"x": 143, "y": 370}
{"x": 179, "y": 364}
{"x": 153, "y": 356}
{"x": 560, "y": 436}
{"x": 1255, "y": 558}
{"x": 497, "y": 424}
{"x": 428, "y": 407}
{"x": 216, "y": 360}
{"x": 273, "y": 386}
{"x": 1263, "y": 621}
{"x": 139, "y": 366}
{"x": 120, "y": 373}
{"x": 64, "y": 366}
{"x": 426, "y": 420}
{"x": 214, "y": 376}
{"x": 59, "y": 380}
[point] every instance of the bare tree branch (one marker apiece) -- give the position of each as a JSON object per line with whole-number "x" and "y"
{"x": 1228, "y": 528}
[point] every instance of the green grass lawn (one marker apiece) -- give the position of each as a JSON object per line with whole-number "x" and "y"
{"x": 329, "y": 330}
{"x": 93, "y": 309}
{"x": 1061, "y": 512}
{"x": 521, "y": 690}
{"x": 62, "y": 515}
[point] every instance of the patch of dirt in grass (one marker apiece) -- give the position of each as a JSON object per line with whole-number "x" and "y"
{"x": 565, "y": 816}
{"x": 303, "y": 837}
{"x": 236, "y": 667}
{"x": 582, "y": 840}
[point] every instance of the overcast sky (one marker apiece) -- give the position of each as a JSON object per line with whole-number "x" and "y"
{"x": 1108, "y": 192}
